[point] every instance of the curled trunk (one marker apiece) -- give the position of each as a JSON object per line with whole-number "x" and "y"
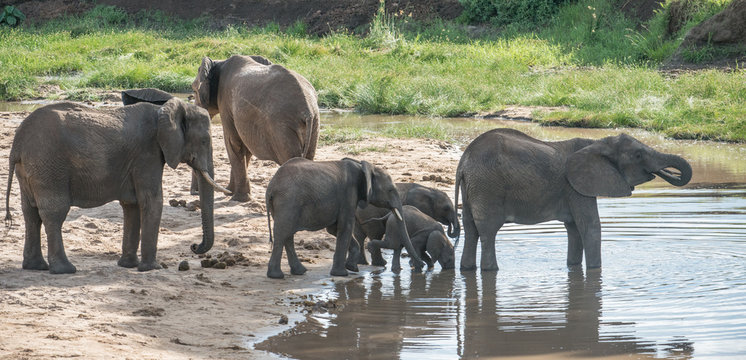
{"x": 454, "y": 228}
{"x": 207, "y": 201}
{"x": 683, "y": 172}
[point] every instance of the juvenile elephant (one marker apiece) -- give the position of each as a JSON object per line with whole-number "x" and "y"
{"x": 432, "y": 202}
{"x": 266, "y": 110}
{"x": 426, "y": 234}
{"x": 307, "y": 195}
{"x": 507, "y": 176}
{"x": 71, "y": 155}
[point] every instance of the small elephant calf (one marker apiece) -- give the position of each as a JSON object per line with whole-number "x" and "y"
{"x": 426, "y": 235}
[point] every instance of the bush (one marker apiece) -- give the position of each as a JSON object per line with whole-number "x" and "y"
{"x": 11, "y": 16}
{"x": 506, "y": 12}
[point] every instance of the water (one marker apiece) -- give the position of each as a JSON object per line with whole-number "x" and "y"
{"x": 673, "y": 283}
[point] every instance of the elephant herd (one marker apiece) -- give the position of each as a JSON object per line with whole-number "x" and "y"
{"x": 67, "y": 155}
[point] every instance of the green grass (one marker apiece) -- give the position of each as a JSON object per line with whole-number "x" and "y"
{"x": 602, "y": 70}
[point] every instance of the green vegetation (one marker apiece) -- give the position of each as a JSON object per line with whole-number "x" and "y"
{"x": 11, "y": 16}
{"x": 588, "y": 59}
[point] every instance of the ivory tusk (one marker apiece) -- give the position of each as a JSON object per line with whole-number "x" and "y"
{"x": 398, "y": 214}
{"x": 215, "y": 185}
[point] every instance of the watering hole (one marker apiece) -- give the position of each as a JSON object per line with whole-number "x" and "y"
{"x": 672, "y": 283}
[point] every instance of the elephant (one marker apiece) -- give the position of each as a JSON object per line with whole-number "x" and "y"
{"x": 266, "y": 110}
{"x": 432, "y": 202}
{"x": 153, "y": 96}
{"x": 308, "y": 195}
{"x": 426, "y": 234}
{"x": 508, "y": 176}
{"x": 67, "y": 154}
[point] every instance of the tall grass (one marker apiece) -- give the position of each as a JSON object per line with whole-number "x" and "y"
{"x": 433, "y": 69}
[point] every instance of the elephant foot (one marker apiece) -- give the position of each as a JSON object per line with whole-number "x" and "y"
{"x": 35, "y": 264}
{"x": 468, "y": 267}
{"x": 490, "y": 268}
{"x": 352, "y": 266}
{"x": 396, "y": 269}
{"x": 147, "y": 266}
{"x": 275, "y": 274}
{"x": 298, "y": 269}
{"x": 378, "y": 262}
{"x": 245, "y": 197}
{"x": 338, "y": 272}
{"x": 362, "y": 260}
{"x": 128, "y": 261}
{"x": 62, "y": 267}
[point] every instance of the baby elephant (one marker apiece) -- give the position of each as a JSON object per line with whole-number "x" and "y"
{"x": 426, "y": 234}
{"x": 307, "y": 195}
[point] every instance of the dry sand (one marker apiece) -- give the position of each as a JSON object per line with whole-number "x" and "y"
{"x": 105, "y": 311}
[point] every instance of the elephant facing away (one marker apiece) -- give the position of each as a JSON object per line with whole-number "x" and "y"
{"x": 426, "y": 234}
{"x": 266, "y": 110}
{"x": 308, "y": 195}
{"x": 508, "y": 176}
{"x": 71, "y": 155}
{"x": 434, "y": 203}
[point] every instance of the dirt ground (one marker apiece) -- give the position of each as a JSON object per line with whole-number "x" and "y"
{"x": 105, "y": 311}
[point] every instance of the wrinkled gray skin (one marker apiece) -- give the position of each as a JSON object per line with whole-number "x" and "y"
{"x": 151, "y": 95}
{"x": 267, "y": 111}
{"x": 71, "y": 155}
{"x": 426, "y": 234}
{"x": 307, "y": 195}
{"x": 507, "y": 176}
{"x": 432, "y": 202}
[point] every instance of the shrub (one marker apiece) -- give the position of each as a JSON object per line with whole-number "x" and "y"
{"x": 11, "y": 16}
{"x": 506, "y": 12}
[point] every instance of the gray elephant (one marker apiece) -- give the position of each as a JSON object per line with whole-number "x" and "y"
{"x": 151, "y": 95}
{"x": 432, "y": 202}
{"x": 266, "y": 110}
{"x": 507, "y": 176}
{"x": 71, "y": 155}
{"x": 426, "y": 234}
{"x": 307, "y": 195}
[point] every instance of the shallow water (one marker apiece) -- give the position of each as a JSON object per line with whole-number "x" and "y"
{"x": 673, "y": 283}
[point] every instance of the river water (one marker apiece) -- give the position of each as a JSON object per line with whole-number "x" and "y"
{"x": 673, "y": 283}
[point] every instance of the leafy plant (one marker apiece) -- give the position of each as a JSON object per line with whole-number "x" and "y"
{"x": 11, "y": 16}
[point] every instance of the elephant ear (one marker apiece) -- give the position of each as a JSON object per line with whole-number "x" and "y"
{"x": 261, "y": 59}
{"x": 203, "y": 76}
{"x": 170, "y": 135}
{"x": 591, "y": 172}
{"x": 368, "y": 173}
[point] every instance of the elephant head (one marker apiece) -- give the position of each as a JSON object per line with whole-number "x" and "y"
{"x": 184, "y": 137}
{"x": 432, "y": 202}
{"x": 441, "y": 249}
{"x": 613, "y": 166}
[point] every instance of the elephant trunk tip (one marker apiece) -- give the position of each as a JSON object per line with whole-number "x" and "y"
{"x": 200, "y": 248}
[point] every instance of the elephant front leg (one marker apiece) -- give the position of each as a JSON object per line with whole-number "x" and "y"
{"x": 396, "y": 261}
{"x": 359, "y": 236}
{"x": 353, "y": 256}
{"x": 131, "y": 236}
{"x": 584, "y": 210}
{"x": 344, "y": 234}
{"x": 32, "y": 256}
{"x": 574, "y": 245}
{"x": 150, "y": 220}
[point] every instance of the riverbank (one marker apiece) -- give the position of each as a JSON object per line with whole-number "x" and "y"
{"x": 437, "y": 69}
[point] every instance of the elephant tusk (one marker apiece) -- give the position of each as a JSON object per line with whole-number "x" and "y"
{"x": 215, "y": 185}
{"x": 398, "y": 214}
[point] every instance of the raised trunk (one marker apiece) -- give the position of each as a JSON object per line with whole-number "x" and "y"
{"x": 207, "y": 201}
{"x": 678, "y": 163}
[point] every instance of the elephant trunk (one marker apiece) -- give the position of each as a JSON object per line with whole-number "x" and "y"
{"x": 454, "y": 228}
{"x": 402, "y": 228}
{"x": 207, "y": 201}
{"x": 680, "y": 177}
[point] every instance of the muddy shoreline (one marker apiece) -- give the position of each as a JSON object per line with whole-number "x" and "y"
{"x": 107, "y": 311}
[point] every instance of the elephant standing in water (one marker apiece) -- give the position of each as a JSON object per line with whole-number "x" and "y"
{"x": 434, "y": 203}
{"x": 266, "y": 110}
{"x": 307, "y": 195}
{"x": 72, "y": 155}
{"x": 507, "y": 176}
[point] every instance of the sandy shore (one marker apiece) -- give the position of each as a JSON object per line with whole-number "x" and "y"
{"x": 105, "y": 311}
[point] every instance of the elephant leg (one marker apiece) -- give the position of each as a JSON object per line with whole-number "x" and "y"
{"x": 131, "y": 239}
{"x": 359, "y": 236}
{"x": 376, "y": 258}
{"x": 574, "y": 245}
{"x": 151, "y": 207}
{"x": 471, "y": 236}
{"x": 32, "y": 256}
{"x": 396, "y": 260}
{"x": 344, "y": 233}
{"x": 238, "y": 156}
{"x": 374, "y": 246}
{"x": 585, "y": 215}
{"x": 353, "y": 256}
{"x": 488, "y": 232}
{"x": 282, "y": 235}
{"x": 53, "y": 219}
{"x": 296, "y": 268}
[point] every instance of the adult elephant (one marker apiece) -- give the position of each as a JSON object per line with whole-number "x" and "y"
{"x": 72, "y": 155}
{"x": 266, "y": 110}
{"x": 433, "y": 202}
{"x": 508, "y": 176}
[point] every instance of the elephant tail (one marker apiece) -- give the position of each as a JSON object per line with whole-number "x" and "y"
{"x": 12, "y": 166}
{"x": 459, "y": 178}
{"x": 312, "y": 135}
{"x": 267, "y": 203}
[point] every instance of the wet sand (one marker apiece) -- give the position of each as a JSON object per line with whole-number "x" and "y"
{"x": 105, "y": 311}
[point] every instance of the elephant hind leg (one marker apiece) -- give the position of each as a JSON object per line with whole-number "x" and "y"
{"x": 488, "y": 232}
{"x": 32, "y": 256}
{"x": 471, "y": 236}
{"x": 281, "y": 237}
{"x": 52, "y": 220}
{"x": 296, "y": 268}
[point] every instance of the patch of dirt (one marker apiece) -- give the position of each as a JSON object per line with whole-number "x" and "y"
{"x": 320, "y": 16}
{"x": 106, "y": 311}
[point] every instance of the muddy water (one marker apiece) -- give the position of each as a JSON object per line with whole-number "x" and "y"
{"x": 673, "y": 284}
